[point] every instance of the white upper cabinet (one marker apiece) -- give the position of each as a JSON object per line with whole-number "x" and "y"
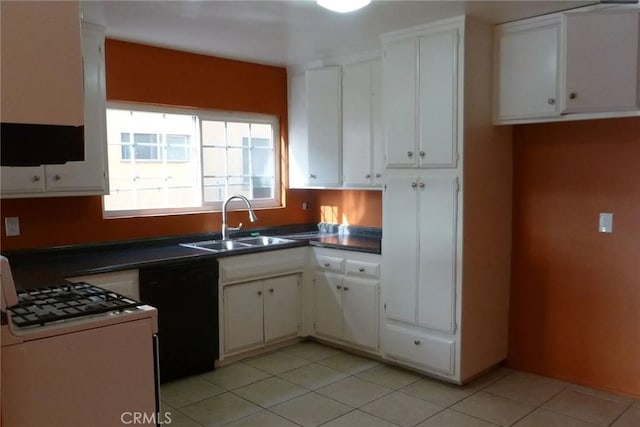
{"x": 323, "y": 103}
{"x": 87, "y": 177}
{"x": 529, "y": 76}
{"x": 420, "y": 82}
{"x": 399, "y": 79}
{"x": 335, "y": 127}
{"x": 362, "y": 152}
{"x": 602, "y": 61}
{"x": 577, "y": 65}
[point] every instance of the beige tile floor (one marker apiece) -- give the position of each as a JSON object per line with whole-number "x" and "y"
{"x": 308, "y": 384}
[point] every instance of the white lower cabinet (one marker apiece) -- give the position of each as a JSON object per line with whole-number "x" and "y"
{"x": 346, "y": 297}
{"x": 122, "y": 282}
{"x": 261, "y": 312}
{"x": 418, "y": 347}
{"x": 260, "y": 299}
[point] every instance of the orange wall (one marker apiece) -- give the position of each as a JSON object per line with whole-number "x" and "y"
{"x": 575, "y": 292}
{"x": 138, "y": 73}
{"x": 355, "y": 207}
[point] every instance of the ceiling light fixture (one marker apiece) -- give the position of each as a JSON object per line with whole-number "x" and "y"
{"x": 343, "y": 6}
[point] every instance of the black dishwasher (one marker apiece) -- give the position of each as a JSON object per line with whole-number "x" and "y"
{"x": 186, "y": 296}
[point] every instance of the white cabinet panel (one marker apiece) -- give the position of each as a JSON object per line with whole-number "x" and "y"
{"x": 438, "y": 106}
{"x": 328, "y": 305}
{"x": 528, "y": 70}
{"x": 323, "y": 103}
{"x": 360, "y": 311}
{"x": 298, "y": 140}
{"x": 356, "y": 124}
{"x": 399, "y": 79}
{"x": 437, "y": 260}
{"x": 400, "y": 246}
{"x": 243, "y": 316}
{"x": 123, "y": 282}
{"x": 281, "y": 307}
{"x": 602, "y": 61}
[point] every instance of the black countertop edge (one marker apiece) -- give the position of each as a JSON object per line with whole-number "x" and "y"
{"x": 34, "y": 268}
{"x": 155, "y": 241}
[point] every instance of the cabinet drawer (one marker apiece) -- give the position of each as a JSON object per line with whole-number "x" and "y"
{"x": 360, "y": 268}
{"x": 330, "y": 263}
{"x": 432, "y": 352}
{"x": 239, "y": 268}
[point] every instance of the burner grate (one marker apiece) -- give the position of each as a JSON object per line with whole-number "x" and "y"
{"x": 67, "y": 301}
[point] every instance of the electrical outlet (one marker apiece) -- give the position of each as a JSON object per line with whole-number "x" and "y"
{"x": 12, "y": 226}
{"x": 605, "y": 225}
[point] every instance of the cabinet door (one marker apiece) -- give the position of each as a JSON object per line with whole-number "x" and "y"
{"x": 527, "y": 67}
{"x": 356, "y": 124}
{"x": 21, "y": 180}
{"x": 328, "y": 304}
{"x": 602, "y": 61}
{"x": 298, "y": 143}
{"x": 88, "y": 176}
{"x": 400, "y": 248}
{"x": 377, "y": 124}
{"x": 438, "y": 106}
{"x": 399, "y": 85}
{"x": 243, "y": 316}
{"x": 323, "y": 126}
{"x": 437, "y": 262}
{"x": 281, "y": 307}
{"x": 360, "y": 311}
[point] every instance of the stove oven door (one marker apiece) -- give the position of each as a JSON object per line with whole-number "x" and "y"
{"x": 101, "y": 377}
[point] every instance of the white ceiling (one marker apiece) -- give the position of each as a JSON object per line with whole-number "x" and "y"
{"x": 287, "y": 33}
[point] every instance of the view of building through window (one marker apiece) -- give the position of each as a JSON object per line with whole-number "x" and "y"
{"x": 172, "y": 161}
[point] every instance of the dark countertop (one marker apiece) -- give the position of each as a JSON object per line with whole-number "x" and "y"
{"x": 43, "y": 267}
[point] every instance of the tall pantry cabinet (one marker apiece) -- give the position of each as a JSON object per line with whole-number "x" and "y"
{"x": 446, "y": 203}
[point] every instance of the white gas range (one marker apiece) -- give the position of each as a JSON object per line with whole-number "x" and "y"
{"x": 76, "y": 355}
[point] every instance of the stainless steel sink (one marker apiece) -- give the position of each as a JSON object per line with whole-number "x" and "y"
{"x": 216, "y": 245}
{"x": 236, "y": 244}
{"x": 263, "y": 241}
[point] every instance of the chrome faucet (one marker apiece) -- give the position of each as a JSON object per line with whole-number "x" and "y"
{"x": 226, "y": 229}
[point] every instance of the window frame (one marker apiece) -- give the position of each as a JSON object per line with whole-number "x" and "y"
{"x": 210, "y": 115}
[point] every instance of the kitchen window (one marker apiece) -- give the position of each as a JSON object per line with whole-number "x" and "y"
{"x": 169, "y": 160}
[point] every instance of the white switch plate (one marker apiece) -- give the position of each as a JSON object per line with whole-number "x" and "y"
{"x": 605, "y": 225}
{"x": 12, "y": 226}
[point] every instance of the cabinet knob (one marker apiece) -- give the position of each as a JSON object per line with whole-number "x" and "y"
{"x": 368, "y": 176}
{"x": 417, "y": 342}
{"x": 414, "y": 184}
{"x": 57, "y": 177}
{"x": 35, "y": 178}
{"x": 346, "y": 288}
{"x": 338, "y": 287}
{"x": 259, "y": 292}
{"x": 271, "y": 290}
{"x": 378, "y": 175}
{"x": 326, "y": 264}
{"x": 312, "y": 176}
{"x": 422, "y": 154}
{"x": 410, "y": 154}
{"x": 421, "y": 185}
{"x": 361, "y": 269}
{"x": 573, "y": 95}
{"x": 551, "y": 101}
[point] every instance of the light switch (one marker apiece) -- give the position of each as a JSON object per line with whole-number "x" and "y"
{"x": 12, "y": 226}
{"x": 606, "y": 222}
